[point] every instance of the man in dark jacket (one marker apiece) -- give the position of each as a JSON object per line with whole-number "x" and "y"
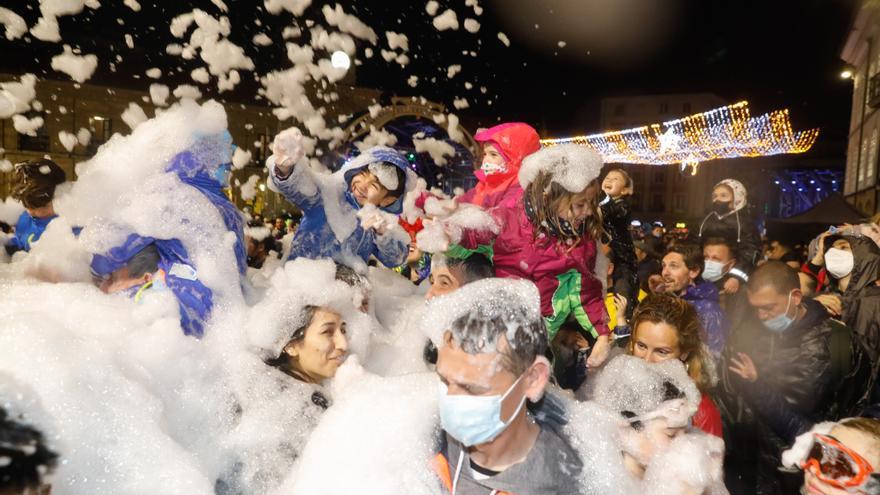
{"x": 780, "y": 375}
{"x": 682, "y": 267}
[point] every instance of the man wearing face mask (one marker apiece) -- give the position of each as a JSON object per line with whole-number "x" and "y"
{"x": 786, "y": 374}
{"x": 492, "y": 444}
{"x": 719, "y": 265}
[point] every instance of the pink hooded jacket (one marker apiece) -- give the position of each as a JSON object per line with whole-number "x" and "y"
{"x": 515, "y": 141}
{"x": 565, "y": 279}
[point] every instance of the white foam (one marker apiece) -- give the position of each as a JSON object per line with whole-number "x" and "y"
{"x": 572, "y": 166}
{"x": 446, "y": 20}
{"x": 14, "y": 24}
{"x": 79, "y": 67}
{"x": 16, "y": 96}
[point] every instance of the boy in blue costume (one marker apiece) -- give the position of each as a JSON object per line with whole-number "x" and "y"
{"x": 33, "y": 183}
{"x": 346, "y": 216}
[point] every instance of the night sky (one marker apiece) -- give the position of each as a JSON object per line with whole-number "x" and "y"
{"x": 780, "y": 53}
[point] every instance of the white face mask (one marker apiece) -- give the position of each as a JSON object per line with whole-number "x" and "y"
{"x": 493, "y": 168}
{"x": 713, "y": 270}
{"x": 839, "y": 263}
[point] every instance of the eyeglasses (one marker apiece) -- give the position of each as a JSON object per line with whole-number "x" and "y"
{"x": 836, "y": 464}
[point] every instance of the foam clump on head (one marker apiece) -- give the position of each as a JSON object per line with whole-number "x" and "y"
{"x": 516, "y": 303}
{"x": 386, "y": 174}
{"x": 631, "y": 384}
{"x": 301, "y": 283}
{"x": 572, "y": 166}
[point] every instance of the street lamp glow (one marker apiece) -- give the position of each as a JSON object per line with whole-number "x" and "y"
{"x": 340, "y": 60}
{"x": 846, "y": 74}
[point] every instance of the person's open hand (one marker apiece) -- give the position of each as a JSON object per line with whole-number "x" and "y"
{"x": 620, "y": 304}
{"x": 731, "y": 286}
{"x": 744, "y": 367}
{"x": 287, "y": 147}
{"x": 831, "y": 302}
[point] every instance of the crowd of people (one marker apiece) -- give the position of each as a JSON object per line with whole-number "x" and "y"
{"x": 563, "y": 351}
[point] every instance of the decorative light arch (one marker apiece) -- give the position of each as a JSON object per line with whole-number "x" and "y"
{"x": 725, "y": 132}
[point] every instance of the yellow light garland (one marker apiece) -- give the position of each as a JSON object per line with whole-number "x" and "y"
{"x": 725, "y": 132}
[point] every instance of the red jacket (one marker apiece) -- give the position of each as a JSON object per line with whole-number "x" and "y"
{"x": 708, "y": 418}
{"x": 514, "y": 141}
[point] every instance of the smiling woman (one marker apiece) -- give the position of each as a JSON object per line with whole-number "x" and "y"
{"x": 315, "y": 350}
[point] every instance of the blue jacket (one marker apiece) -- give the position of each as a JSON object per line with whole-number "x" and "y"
{"x": 205, "y": 166}
{"x": 194, "y": 299}
{"x": 315, "y": 237}
{"x": 704, "y": 297}
{"x": 28, "y": 230}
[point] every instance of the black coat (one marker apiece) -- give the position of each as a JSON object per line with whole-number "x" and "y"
{"x": 740, "y": 231}
{"x": 616, "y": 221}
{"x": 796, "y": 387}
{"x": 861, "y": 299}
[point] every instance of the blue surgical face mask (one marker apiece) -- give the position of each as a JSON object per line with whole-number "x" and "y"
{"x": 474, "y": 419}
{"x": 780, "y": 323}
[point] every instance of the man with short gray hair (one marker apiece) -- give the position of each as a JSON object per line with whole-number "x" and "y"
{"x": 492, "y": 341}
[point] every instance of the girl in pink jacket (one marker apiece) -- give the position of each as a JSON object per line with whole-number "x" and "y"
{"x": 550, "y": 236}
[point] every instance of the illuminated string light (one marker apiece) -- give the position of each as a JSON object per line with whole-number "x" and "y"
{"x": 726, "y": 132}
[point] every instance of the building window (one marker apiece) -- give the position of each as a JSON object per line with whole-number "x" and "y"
{"x": 678, "y": 202}
{"x": 635, "y": 202}
{"x": 686, "y": 107}
{"x": 40, "y": 142}
{"x": 619, "y": 109}
{"x": 659, "y": 175}
{"x": 102, "y": 129}
{"x": 657, "y": 203}
{"x": 263, "y": 150}
{"x": 664, "y": 108}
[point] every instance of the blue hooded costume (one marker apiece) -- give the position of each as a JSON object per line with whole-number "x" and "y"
{"x": 28, "y": 230}
{"x": 315, "y": 238}
{"x": 205, "y": 166}
{"x": 194, "y": 299}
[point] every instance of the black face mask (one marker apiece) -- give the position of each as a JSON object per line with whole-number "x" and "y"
{"x": 565, "y": 230}
{"x": 569, "y": 231}
{"x": 721, "y": 207}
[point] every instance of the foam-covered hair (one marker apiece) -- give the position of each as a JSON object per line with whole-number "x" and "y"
{"x": 572, "y": 166}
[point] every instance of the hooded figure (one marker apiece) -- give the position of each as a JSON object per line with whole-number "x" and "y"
{"x": 206, "y": 166}
{"x": 334, "y": 224}
{"x": 499, "y": 186}
{"x": 861, "y": 299}
{"x": 733, "y": 223}
{"x": 175, "y": 272}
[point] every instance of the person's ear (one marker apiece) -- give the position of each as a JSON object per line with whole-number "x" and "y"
{"x": 291, "y": 349}
{"x": 796, "y": 297}
{"x": 146, "y": 278}
{"x": 536, "y": 378}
